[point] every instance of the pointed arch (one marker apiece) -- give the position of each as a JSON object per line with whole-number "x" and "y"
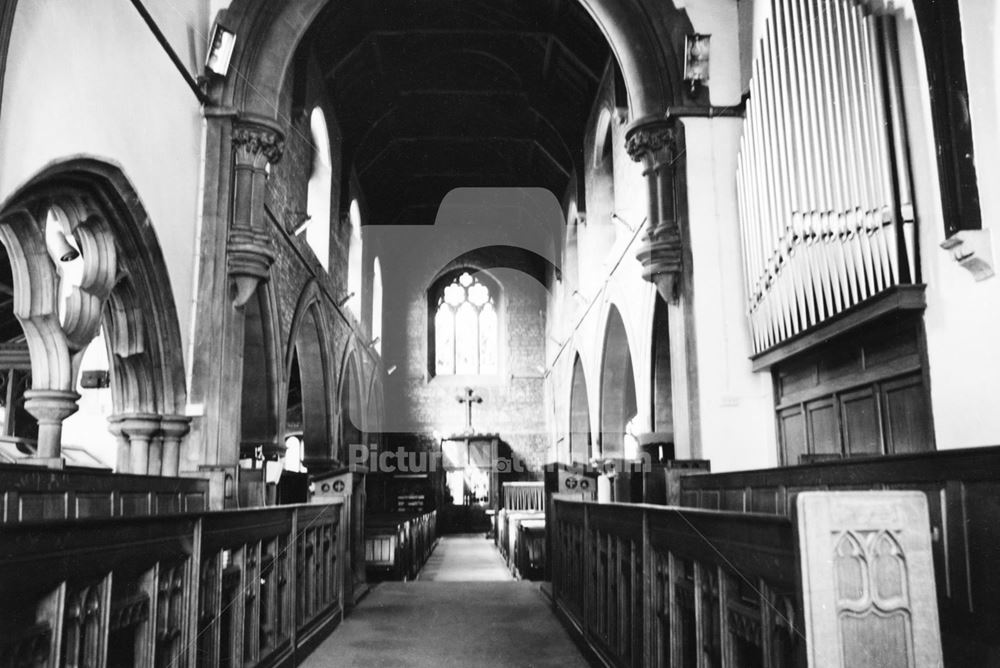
{"x": 350, "y": 416}
{"x": 647, "y": 46}
{"x": 580, "y": 434}
{"x": 86, "y": 208}
{"x": 259, "y": 397}
{"x": 618, "y": 389}
{"x": 307, "y": 357}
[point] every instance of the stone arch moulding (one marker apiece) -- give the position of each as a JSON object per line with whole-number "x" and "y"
{"x": 124, "y": 287}
{"x": 269, "y": 33}
{"x": 310, "y": 333}
{"x": 374, "y": 412}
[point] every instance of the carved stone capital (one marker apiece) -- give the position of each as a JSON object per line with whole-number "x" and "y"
{"x": 256, "y": 145}
{"x": 652, "y": 142}
{"x": 50, "y": 408}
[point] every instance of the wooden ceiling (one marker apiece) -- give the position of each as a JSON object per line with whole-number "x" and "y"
{"x": 432, "y": 95}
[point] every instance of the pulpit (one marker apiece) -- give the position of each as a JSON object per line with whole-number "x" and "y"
{"x": 469, "y": 481}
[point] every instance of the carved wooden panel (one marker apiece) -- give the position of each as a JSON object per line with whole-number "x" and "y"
{"x": 868, "y": 577}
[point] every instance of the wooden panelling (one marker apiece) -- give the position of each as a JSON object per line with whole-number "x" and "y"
{"x": 652, "y": 586}
{"x": 907, "y": 415}
{"x": 963, "y": 497}
{"x": 248, "y": 588}
{"x": 860, "y": 417}
{"x": 31, "y": 493}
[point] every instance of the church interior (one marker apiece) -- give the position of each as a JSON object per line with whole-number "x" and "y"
{"x": 499, "y": 333}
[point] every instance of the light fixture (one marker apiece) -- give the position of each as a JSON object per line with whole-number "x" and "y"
{"x": 221, "y": 47}
{"x": 390, "y": 370}
{"x": 346, "y": 298}
{"x": 696, "y": 53}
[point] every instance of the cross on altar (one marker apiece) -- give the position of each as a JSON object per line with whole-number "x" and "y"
{"x": 468, "y": 399}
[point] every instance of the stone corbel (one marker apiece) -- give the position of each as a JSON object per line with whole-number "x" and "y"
{"x": 653, "y": 142}
{"x": 973, "y": 249}
{"x": 249, "y": 249}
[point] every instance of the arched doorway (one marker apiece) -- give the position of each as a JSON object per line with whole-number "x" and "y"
{"x": 618, "y": 402}
{"x": 580, "y": 437}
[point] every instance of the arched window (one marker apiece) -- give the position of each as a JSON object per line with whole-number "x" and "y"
{"x": 354, "y": 255}
{"x": 377, "y": 305}
{"x": 465, "y": 325}
{"x": 317, "y": 230}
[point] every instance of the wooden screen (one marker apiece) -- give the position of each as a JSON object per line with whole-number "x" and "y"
{"x": 823, "y": 176}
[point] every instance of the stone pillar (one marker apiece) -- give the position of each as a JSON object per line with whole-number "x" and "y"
{"x": 657, "y": 143}
{"x": 653, "y": 142}
{"x": 173, "y": 429}
{"x": 249, "y": 252}
{"x": 50, "y": 408}
{"x": 139, "y": 429}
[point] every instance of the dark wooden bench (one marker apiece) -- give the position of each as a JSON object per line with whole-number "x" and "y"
{"x": 397, "y": 545}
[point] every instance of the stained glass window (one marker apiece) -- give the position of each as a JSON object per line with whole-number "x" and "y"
{"x": 465, "y": 328}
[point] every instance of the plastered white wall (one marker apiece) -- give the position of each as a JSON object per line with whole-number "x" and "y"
{"x": 89, "y": 79}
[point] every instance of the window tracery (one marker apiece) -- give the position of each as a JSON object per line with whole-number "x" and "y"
{"x": 465, "y": 327}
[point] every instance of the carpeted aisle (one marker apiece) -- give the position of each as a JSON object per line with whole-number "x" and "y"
{"x": 464, "y": 610}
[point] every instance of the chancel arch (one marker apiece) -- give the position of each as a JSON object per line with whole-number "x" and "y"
{"x": 619, "y": 409}
{"x": 85, "y": 261}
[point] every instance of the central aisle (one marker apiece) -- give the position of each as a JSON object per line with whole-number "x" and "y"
{"x": 465, "y": 558}
{"x": 440, "y": 620}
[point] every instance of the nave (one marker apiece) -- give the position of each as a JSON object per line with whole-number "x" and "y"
{"x": 464, "y": 609}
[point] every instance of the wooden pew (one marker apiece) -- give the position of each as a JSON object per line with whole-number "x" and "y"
{"x": 32, "y": 493}
{"x": 397, "y": 545}
{"x": 646, "y": 585}
{"x": 962, "y": 489}
{"x": 250, "y": 588}
{"x": 529, "y": 558}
